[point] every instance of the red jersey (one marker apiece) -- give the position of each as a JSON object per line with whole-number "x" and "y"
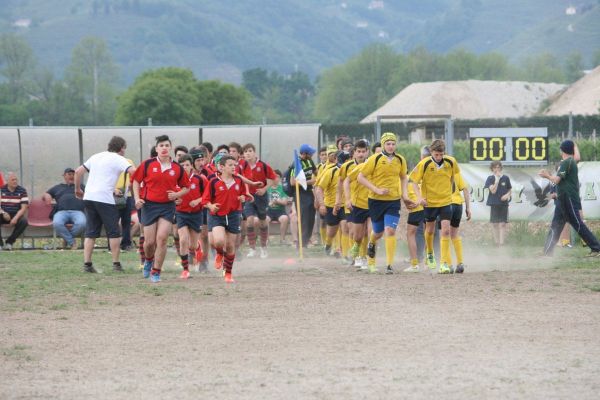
{"x": 158, "y": 181}
{"x": 197, "y": 185}
{"x": 227, "y": 196}
{"x": 259, "y": 173}
{"x": 209, "y": 169}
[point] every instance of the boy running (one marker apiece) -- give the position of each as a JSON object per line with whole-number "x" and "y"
{"x": 380, "y": 174}
{"x": 160, "y": 177}
{"x": 436, "y": 174}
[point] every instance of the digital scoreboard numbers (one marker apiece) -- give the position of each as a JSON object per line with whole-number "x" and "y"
{"x": 512, "y": 146}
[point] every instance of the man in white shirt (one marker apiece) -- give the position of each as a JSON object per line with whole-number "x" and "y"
{"x": 100, "y": 210}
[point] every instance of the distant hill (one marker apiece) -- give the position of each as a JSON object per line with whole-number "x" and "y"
{"x": 220, "y": 39}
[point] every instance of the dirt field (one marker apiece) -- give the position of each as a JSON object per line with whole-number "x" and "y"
{"x": 315, "y": 330}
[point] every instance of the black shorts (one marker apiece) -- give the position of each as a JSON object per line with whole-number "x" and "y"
{"x": 274, "y": 214}
{"x": 190, "y": 220}
{"x": 152, "y": 211}
{"x": 379, "y": 208}
{"x": 358, "y": 215}
{"x": 257, "y": 208}
{"x": 444, "y": 213}
{"x": 204, "y": 220}
{"x": 334, "y": 220}
{"x": 231, "y": 222}
{"x": 98, "y": 214}
{"x": 139, "y": 215}
{"x": 457, "y": 211}
{"x": 416, "y": 217}
{"x": 499, "y": 213}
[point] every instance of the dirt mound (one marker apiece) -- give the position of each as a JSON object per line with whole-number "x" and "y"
{"x": 581, "y": 98}
{"x": 469, "y": 99}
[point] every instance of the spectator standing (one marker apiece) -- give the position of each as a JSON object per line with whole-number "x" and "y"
{"x": 498, "y": 199}
{"x": 67, "y": 210}
{"x": 14, "y": 203}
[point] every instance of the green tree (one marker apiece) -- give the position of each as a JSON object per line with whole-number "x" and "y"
{"x": 574, "y": 67}
{"x": 170, "y": 96}
{"x": 17, "y": 64}
{"x": 542, "y": 68}
{"x": 223, "y": 103}
{"x": 349, "y": 92}
{"x": 93, "y": 73}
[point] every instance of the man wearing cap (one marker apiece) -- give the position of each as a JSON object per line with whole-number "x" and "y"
{"x": 68, "y": 209}
{"x": 568, "y": 202}
{"x": 307, "y": 198}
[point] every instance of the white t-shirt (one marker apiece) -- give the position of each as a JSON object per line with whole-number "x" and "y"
{"x": 104, "y": 169}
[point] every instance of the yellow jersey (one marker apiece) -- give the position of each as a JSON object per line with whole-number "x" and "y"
{"x": 436, "y": 180}
{"x": 384, "y": 172}
{"x": 359, "y": 194}
{"x": 328, "y": 181}
{"x": 459, "y": 185}
{"x": 122, "y": 183}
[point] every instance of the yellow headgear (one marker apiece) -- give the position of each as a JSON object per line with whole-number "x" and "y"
{"x": 332, "y": 148}
{"x": 386, "y": 137}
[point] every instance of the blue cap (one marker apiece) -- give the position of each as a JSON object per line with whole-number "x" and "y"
{"x": 307, "y": 148}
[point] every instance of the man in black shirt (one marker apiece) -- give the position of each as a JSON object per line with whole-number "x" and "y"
{"x": 499, "y": 196}
{"x": 67, "y": 210}
{"x": 307, "y": 198}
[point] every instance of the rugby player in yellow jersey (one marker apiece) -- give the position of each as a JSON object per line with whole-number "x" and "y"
{"x": 380, "y": 174}
{"x": 325, "y": 194}
{"x": 320, "y": 167}
{"x": 343, "y": 235}
{"x": 356, "y": 197}
{"x": 436, "y": 176}
{"x": 457, "y": 210}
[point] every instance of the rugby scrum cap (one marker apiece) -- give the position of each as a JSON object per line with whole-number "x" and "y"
{"x": 332, "y": 148}
{"x": 196, "y": 153}
{"x": 342, "y": 157}
{"x": 567, "y": 147}
{"x": 307, "y": 148}
{"x": 386, "y": 137}
{"x": 217, "y": 158}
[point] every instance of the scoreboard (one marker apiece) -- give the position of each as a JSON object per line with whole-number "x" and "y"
{"x": 511, "y": 146}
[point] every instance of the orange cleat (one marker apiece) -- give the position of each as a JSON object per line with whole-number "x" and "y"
{"x": 228, "y": 278}
{"x": 185, "y": 274}
{"x": 219, "y": 261}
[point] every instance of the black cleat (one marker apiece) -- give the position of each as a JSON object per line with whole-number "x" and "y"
{"x": 117, "y": 267}
{"x": 460, "y": 268}
{"x": 389, "y": 270}
{"x": 371, "y": 250}
{"x": 89, "y": 268}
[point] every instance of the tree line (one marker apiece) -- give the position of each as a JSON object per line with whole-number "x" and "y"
{"x": 88, "y": 93}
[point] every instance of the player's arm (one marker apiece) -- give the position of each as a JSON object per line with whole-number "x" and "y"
{"x": 319, "y": 198}
{"x": 576, "y": 154}
{"x": 362, "y": 179}
{"x": 78, "y": 177}
{"x": 467, "y": 197}
{"x": 348, "y": 193}
{"x": 407, "y": 201}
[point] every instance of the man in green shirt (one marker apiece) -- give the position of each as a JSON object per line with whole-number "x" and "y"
{"x": 568, "y": 203}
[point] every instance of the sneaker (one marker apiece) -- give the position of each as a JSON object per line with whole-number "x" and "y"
{"x": 371, "y": 265}
{"x": 593, "y": 254}
{"x": 430, "y": 260}
{"x": 147, "y": 268}
{"x": 444, "y": 269}
{"x": 460, "y": 268}
{"x": 263, "y": 252}
{"x": 251, "y": 253}
{"x": 185, "y": 274}
{"x": 7, "y": 247}
{"x": 228, "y": 278}
{"x": 117, "y": 267}
{"x": 155, "y": 278}
{"x": 327, "y": 249}
{"x": 371, "y": 250}
{"x": 354, "y": 250}
{"x": 389, "y": 270}
{"x": 89, "y": 268}
{"x": 219, "y": 261}
{"x": 412, "y": 268}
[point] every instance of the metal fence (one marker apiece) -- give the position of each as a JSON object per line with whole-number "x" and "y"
{"x": 39, "y": 155}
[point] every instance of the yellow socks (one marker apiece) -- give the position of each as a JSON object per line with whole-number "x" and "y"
{"x": 414, "y": 262}
{"x": 328, "y": 240}
{"x": 390, "y": 249}
{"x": 458, "y": 250}
{"x": 445, "y": 250}
{"x": 429, "y": 242}
{"x": 363, "y": 246}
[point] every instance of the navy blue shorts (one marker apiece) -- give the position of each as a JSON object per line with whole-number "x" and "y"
{"x": 457, "y": 211}
{"x": 139, "y": 214}
{"x": 190, "y": 220}
{"x": 204, "y": 216}
{"x": 499, "y": 213}
{"x": 379, "y": 208}
{"x": 152, "y": 211}
{"x": 257, "y": 208}
{"x": 334, "y": 220}
{"x": 444, "y": 213}
{"x": 358, "y": 215}
{"x": 415, "y": 218}
{"x": 274, "y": 214}
{"x": 231, "y": 222}
{"x": 98, "y": 214}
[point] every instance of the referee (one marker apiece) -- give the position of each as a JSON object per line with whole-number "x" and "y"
{"x": 307, "y": 198}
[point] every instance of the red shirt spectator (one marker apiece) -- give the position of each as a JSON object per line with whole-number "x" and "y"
{"x": 228, "y": 197}
{"x": 158, "y": 181}
{"x": 198, "y": 183}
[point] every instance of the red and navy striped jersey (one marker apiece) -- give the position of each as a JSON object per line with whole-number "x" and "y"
{"x": 158, "y": 181}
{"x": 227, "y": 195}
{"x": 198, "y": 183}
{"x": 259, "y": 173}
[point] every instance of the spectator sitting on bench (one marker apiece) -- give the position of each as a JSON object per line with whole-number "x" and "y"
{"x": 13, "y": 206}
{"x": 67, "y": 210}
{"x": 278, "y": 202}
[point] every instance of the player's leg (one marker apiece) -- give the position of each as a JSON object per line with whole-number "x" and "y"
{"x": 573, "y": 216}
{"x": 457, "y": 210}
{"x": 218, "y": 239}
{"x": 184, "y": 245}
{"x": 391, "y": 225}
{"x": 164, "y": 228}
{"x": 415, "y": 219}
{"x": 284, "y": 222}
{"x": 445, "y": 214}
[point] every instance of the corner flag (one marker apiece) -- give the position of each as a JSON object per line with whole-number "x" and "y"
{"x": 298, "y": 171}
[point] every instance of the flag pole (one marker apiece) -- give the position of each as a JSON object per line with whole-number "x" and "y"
{"x": 299, "y": 220}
